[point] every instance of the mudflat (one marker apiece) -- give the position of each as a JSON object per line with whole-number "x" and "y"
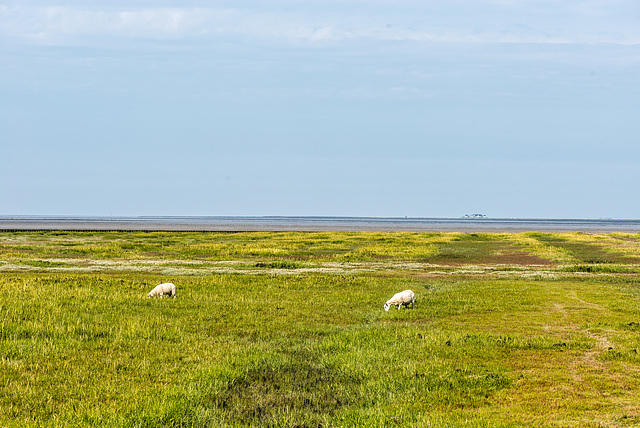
{"x": 314, "y": 224}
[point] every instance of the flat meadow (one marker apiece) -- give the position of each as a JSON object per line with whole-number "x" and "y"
{"x": 288, "y": 329}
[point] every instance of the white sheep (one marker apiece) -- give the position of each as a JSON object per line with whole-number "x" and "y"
{"x": 162, "y": 289}
{"x": 402, "y": 298}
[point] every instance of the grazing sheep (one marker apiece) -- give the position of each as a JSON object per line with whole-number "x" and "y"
{"x": 162, "y": 289}
{"x": 402, "y": 298}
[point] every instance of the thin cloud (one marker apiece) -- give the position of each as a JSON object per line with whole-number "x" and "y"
{"x": 69, "y": 25}
{"x": 502, "y": 22}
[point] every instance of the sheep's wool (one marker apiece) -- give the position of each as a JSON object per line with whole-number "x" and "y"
{"x": 160, "y": 290}
{"x": 403, "y": 298}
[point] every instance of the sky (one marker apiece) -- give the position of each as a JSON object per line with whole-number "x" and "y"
{"x": 384, "y": 108}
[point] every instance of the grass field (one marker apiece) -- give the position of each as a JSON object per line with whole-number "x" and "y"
{"x": 288, "y": 330}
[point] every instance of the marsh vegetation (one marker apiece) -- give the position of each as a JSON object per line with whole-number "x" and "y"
{"x": 288, "y": 329}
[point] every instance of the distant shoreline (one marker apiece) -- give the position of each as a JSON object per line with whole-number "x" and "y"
{"x": 312, "y": 224}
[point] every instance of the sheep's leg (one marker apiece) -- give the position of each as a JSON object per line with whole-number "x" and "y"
{"x": 412, "y": 304}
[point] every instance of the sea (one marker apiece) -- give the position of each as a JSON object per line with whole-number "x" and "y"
{"x": 314, "y": 224}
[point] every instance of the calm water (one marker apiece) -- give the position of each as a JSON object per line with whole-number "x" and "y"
{"x": 354, "y": 224}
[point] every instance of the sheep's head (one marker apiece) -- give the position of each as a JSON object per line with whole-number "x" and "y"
{"x": 387, "y": 306}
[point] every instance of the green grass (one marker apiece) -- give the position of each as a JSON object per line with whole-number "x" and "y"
{"x": 287, "y": 329}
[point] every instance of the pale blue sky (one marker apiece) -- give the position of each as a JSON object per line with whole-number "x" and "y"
{"x": 511, "y": 108}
